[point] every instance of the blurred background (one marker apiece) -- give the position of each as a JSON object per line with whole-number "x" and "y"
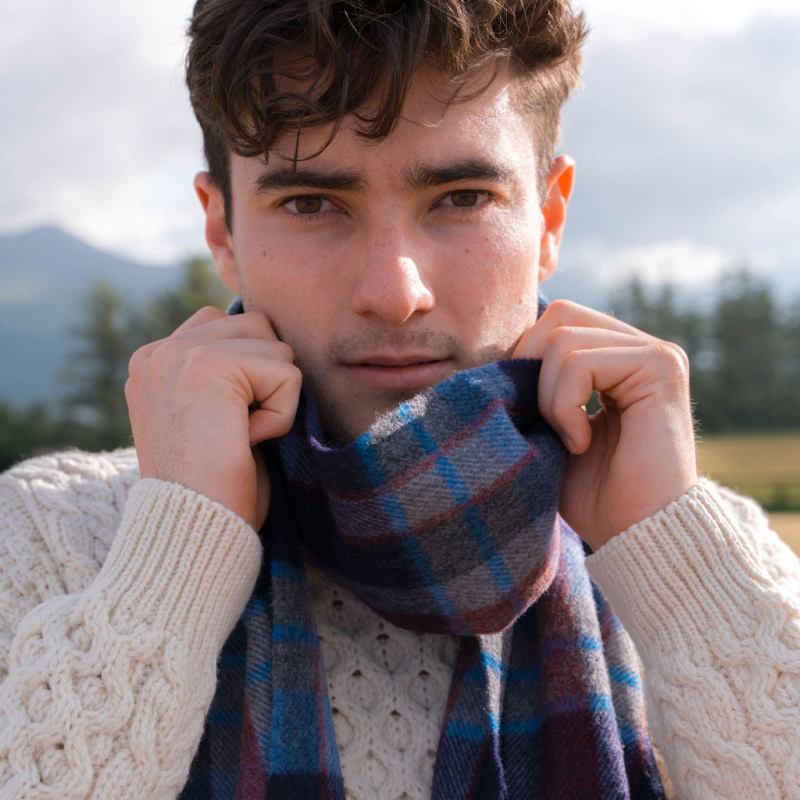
{"x": 684, "y": 222}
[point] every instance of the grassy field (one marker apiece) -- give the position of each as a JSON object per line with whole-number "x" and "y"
{"x": 788, "y": 526}
{"x": 766, "y": 467}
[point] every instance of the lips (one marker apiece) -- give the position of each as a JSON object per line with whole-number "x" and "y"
{"x": 406, "y": 372}
{"x": 389, "y": 360}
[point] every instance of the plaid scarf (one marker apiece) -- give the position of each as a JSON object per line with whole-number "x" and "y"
{"x": 442, "y": 518}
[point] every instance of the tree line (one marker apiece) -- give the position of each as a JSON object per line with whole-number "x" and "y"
{"x": 744, "y": 347}
{"x": 94, "y": 415}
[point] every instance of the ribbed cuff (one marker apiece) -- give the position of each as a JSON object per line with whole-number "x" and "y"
{"x": 180, "y": 562}
{"x": 681, "y": 573}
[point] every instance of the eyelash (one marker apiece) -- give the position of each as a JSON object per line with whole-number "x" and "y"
{"x": 304, "y": 217}
{"x": 464, "y": 210}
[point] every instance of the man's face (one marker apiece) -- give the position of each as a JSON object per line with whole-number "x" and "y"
{"x": 389, "y": 265}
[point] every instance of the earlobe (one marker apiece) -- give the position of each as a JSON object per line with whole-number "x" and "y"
{"x": 560, "y": 183}
{"x": 218, "y": 236}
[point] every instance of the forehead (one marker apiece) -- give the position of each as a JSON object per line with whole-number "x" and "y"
{"x": 482, "y": 122}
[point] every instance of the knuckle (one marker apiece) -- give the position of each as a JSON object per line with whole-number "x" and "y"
{"x": 283, "y": 351}
{"x": 166, "y": 349}
{"x": 574, "y": 360}
{"x": 560, "y": 336}
{"x": 283, "y": 424}
{"x": 135, "y": 363}
{"x": 682, "y": 356}
{"x": 673, "y": 356}
{"x": 139, "y": 357}
{"x": 202, "y": 316}
{"x": 208, "y": 312}
{"x": 562, "y": 308}
{"x": 258, "y": 323}
{"x": 197, "y": 357}
{"x": 294, "y": 377}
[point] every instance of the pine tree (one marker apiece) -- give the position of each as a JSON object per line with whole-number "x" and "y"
{"x": 199, "y": 287}
{"x": 746, "y": 336}
{"x": 97, "y": 370}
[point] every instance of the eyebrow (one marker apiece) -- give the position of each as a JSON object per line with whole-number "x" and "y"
{"x": 291, "y": 177}
{"x": 424, "y": 176}
{"x": 417, "y": 176}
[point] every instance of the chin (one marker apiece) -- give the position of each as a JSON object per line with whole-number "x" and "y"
{"x": 341, "y": 429}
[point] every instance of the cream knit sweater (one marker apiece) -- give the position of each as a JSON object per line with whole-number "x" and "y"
{"x": 116, "y": 595}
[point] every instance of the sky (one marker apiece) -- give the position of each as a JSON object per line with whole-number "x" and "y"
{"x": 685, "y": 133}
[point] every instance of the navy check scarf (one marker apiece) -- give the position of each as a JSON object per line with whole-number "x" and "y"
{"x": 442, "y": 518}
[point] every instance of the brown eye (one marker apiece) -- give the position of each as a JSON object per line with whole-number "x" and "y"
{"x": 310, "y": 204}
{"x": 465, "y": 198}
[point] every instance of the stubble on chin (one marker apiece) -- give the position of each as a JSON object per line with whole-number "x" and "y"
{"x": 345, "y": 416}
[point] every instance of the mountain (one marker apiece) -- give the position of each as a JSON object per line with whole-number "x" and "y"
{"x": 45, "y": 277}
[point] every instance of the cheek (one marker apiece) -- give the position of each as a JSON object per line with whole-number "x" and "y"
{"x": 295, "y": 300}
{"x": 508, "y": 289}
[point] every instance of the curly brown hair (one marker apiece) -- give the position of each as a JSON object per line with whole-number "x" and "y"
{"x": 257, "y": 69}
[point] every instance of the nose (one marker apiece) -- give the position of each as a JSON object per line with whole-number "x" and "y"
{"x": 391, "y": 285}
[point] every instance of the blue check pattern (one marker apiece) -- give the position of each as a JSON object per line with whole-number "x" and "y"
{"x": 443, "y": 518}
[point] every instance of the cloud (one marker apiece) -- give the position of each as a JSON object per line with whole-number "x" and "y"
{"x": 690, "y": 139}
{"x": 593, "y": 273}
{"x": 686, "y": 130}
{"x": 629, "y": 19}
{"x": 681, "y": 262}
{"x": 98, "y": 134}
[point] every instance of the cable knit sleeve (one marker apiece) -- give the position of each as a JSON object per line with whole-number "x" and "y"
{"x": 711, "y": 597}
{"x": 115, "y": 599}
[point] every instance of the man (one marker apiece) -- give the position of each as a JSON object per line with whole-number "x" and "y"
{"x": 413, "y": 618}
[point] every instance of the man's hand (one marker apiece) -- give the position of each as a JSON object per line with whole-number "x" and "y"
{"x": 637, "y": 454}
{"x": 202, "y": 398}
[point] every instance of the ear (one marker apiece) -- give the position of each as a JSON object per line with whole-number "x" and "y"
{"x": 218, "y": 235}
{"x": 554, "y": 213}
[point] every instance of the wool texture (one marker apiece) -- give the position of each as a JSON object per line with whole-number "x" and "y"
{"x": 442, "y": 518}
